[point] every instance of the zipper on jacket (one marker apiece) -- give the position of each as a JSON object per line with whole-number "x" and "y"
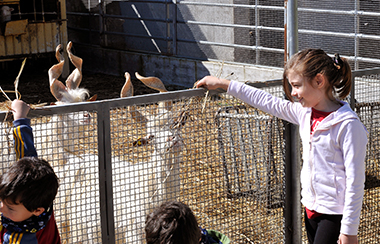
{"x": 311, "y": 169}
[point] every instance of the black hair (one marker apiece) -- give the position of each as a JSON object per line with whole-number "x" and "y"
{"x": 30, "y": 181}
{"x": 172, "y": 223}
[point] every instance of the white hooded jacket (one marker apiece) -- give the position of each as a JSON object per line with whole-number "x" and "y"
{"x": 333, "y": 171}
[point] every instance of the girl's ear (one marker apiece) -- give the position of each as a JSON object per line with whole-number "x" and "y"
{"x": 320, "y": 80}
{"x": 38, "y": 211}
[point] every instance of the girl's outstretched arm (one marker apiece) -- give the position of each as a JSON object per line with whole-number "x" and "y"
{"x": 212, "y": 83}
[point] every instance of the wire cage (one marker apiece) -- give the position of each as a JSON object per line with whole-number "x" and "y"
{"x": 252, "y": 154}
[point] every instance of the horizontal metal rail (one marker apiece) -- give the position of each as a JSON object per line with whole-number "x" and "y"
{"x": 231, "y": 5}
{"x": 261, "y": 48}
{"x": 117, "y": 102}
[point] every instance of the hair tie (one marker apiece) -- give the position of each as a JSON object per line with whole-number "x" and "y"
{"x": 337, "y": 61}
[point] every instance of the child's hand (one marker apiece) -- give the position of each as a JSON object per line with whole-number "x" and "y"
{"x": 20, "y": 109}
{"x": 212, "y": 83}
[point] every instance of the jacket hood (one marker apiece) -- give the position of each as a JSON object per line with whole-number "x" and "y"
{"x": 343, "y": 113}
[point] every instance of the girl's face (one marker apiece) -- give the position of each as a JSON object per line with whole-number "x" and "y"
{"x": 305, "y": 92}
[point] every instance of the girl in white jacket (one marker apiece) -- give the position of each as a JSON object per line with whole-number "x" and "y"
{"x": 333, "y": 139}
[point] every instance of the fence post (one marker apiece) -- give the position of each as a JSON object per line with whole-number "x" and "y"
{"x": 292, "y": 211}
{"x": 174, "y": 37}
{"x": 105, "y": 175}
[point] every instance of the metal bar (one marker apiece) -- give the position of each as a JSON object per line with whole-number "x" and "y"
{"x": 257, "y": 30}
{"x": 233, "y": 156}
{"x": 82, "y": 14}
{"x": 105, "y": 175}
{"x": 339, "y": 12}
{"x": 167, "y": 14}
{"x": 240, "y": 146}
{"x": 293, "y": 222}
{"x": 35, "y": 10}
{"x": 248, "y": 149}
{"x": 356, "y": 40}
{"x": 137, "y": 18}
{"x": 352, "y": 93}
{"x": 357, "y": 73}
{"x": 136, "y": 35}
{"x": 222, "y": 151}
{"x": 235, "y": 45}
{"x": 340, "y": 34}
{"x": 42, "y": 10}
{"x": 42, "y": 13}
{"x": 175, "y": 35}
{"x": 102, "y": 25}
{"x": 231, "y": 5}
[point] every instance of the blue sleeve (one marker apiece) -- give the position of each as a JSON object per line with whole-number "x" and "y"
{"x": 23, "y": 139}
{"x": 19, "y": 238}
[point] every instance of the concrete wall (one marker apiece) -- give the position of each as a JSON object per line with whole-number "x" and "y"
{"x": 172, "y": 71}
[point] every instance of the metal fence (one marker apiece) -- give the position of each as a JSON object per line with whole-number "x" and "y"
{"x": 220, "y": 156}
{"x": 242, "y": 31}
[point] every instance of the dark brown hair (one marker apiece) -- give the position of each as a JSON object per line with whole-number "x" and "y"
{"x": 30, "y": 181}
{"x": 310, "y": 62}
{"x": 172, "y": 223}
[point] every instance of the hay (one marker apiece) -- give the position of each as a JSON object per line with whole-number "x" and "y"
{"x": 244, "y": 219}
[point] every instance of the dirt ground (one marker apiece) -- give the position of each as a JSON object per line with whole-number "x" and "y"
{"x": 34, "y": 82}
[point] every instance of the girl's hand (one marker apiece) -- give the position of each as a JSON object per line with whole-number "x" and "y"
{"x": 212, "y": 83}
{"x": 347, "y": 239}
{"x": 20, "y": 109}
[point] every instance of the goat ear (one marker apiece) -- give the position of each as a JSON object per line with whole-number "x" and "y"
{"x": 93, "y": 98}
{"x": 152, "y": 82}
{"x": 75, "y": 78}
{"x": 58, "y": 53}
{"x": 57, "y": 89}
{"x": 127, "y": 90}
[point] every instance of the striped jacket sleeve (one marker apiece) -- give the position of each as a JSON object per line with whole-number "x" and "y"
{"x": 20, "y": 238}
{"x": 23, "y": 139}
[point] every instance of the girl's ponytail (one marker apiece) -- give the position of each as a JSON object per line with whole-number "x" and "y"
{"x": 342, "y": 83}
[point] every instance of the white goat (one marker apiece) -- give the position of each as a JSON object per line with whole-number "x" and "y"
{"x": 147, "y": 184}
{"x": 77, "y": 202}
{"x": 138, "y": 183}
{"x": 57, "y": 136}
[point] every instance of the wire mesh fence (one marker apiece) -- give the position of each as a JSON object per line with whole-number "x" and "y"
{"x": 239, "y": 31}
{"x": 367, "y": 107}
{"x": 119, "y": 159}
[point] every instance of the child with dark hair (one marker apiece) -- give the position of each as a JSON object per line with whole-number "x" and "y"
{"x": 174, "y": 222}
{"x": 27, "y": 190}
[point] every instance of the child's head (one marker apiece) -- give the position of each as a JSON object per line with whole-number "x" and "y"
{"x": 28, "y": 188}
{"x": 172, "y": 223}
{"x": 309, "y": 63}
